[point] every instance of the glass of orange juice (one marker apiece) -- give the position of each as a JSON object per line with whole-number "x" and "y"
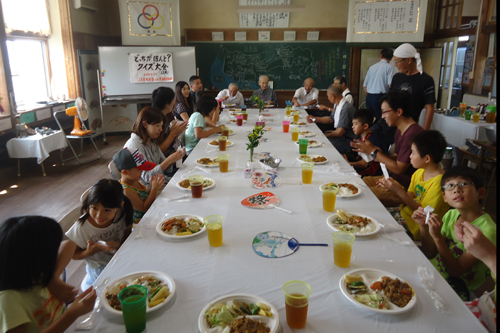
{"x": 475, "y": 117}
{"x": 296, "y": 302}
{"x": 223, "y": 160}
{"x": 296, "y": 116}
{"x": 342, "y": 248}
{"x": 307, "y": 172}
{"x": 295, "y": 133}
{"x": 329, "y": 197}
{"x": 288, "y": 111}
{"x": 214, "y": 229}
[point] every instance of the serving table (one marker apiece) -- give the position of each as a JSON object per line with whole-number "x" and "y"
{"x": 203, "y": 273}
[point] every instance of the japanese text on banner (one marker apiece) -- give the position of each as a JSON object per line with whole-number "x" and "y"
{"x": 151, "y": 67}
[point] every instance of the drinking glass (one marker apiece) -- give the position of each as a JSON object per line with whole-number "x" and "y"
{"x": 342, "y": 248}
{"x": 307, "y": 172}
{"x": 222, "y": 142}
{"x": 214, "y": 229}
{"x": 296, "y": 302}
{"x": 133, "y": 300}
{"x": 196, "y": 183}
{"x": 223, "y": 162}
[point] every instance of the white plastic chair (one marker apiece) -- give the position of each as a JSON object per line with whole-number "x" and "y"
{"x": 84, "y": 194}
{"x": 115, "y": 173}
{"x": 67, "y": 221}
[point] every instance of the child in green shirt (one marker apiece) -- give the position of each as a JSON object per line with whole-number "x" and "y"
{"x": 427, "y": 150}
{"x": 462, "y": 189}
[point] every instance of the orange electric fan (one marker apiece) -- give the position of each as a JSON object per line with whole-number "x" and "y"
{"x": 80, "y": 112}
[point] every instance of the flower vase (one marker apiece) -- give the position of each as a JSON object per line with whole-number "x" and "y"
{"x": 251, "y": 154}
{"x": 260, "y": 110}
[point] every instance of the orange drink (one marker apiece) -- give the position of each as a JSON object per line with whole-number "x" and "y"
{"x": 296, "y": 302}
{"x": 214, "y": 229}
{"x": 286, "y": 126}
{"x": 295, "y": 134}
{"x": 342, "y": 248}
{"x": 296, "y": 116}
{"x": 475, "y": 117}
{"x": 307, "y": 172}
{"x": 223, "y": 162}
{"x": 245, "y": 115}
{"x": 329, "y": 197}
{"x": 225, "y": 131}
{"x": 288, "y": 111}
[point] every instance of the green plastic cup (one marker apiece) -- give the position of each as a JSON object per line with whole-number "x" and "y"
{"x": 303, "y": 146}
{"x": 133, "y": 300}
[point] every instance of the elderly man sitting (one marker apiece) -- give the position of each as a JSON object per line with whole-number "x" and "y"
{"x": 231, "y": 95}
{"x": 307, "y": 95}
{"x": 267, "y": 93}
{"x": 342, "y": 135}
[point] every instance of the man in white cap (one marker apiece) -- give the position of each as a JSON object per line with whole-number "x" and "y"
{"x": 412, "y": 78}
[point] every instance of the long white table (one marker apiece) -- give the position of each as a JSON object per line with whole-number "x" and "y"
{"x": 203, "y": 274}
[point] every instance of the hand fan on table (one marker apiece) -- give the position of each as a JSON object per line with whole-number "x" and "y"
{"x": 263, "y": 200}
{"x": 276, "y": 244}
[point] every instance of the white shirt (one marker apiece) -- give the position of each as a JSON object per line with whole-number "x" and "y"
{"x": 303, "y": 97}
{"x": 348, "y": 98}
{"x": 338, "y": 109}
{"x": 237, "y": 99}
{"x": 80, "y": 233}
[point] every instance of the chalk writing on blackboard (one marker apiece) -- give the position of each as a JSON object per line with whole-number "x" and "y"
{"x": 386, "y": 16}
{"x": 264, "y": 20}
{"x": 151, "y": 67}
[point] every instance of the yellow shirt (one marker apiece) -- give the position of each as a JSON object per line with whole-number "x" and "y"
{"x": 427, "y": 193}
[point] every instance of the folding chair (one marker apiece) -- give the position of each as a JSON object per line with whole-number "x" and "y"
{"x": 115, "y": 173}
{"x": 90, "y": 136}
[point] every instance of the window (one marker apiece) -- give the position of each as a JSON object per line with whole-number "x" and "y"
{"x": 29, "y": 68}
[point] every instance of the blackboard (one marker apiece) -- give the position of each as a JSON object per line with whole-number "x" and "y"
{"x": 287, "y": 64}
{"x": 113, "y": 60}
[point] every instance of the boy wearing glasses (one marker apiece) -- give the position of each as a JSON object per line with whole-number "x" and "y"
{"x": 462, "y": 189}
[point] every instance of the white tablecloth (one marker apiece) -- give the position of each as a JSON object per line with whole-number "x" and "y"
{"x": 203, "y": 274}
{"x": 456, "y": 129}
{"x": 37, "y": 145}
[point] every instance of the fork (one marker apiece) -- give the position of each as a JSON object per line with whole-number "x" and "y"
{"x": 87, "y": 321}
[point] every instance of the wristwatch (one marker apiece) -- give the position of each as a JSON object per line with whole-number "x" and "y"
{"x": 374, "y": 153}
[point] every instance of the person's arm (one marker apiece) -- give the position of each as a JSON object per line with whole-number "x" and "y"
{"x": 275, "y": 98}
{"x": 185, "y": 116}
{"x": 366, "y": 92}
{"x": 177, "y": 128}
{"x": 325, "y": 108}
{"x": 390, "y": 162}
{"x": 361, "y": 164}
{"x": 477, "y": 244}
{"x": 92, "y": 248}
{"x": 338, "y": 132}
{"x": 428, "y": 246}
{"x": 429, "y": 114}
{"x": 407, "y": 197}
{"x": 454, "y": 266}
{"x": 199, "y": 133}
{"x": 222, "y": 95}
{"x": 295, "y": 101}
{"x": 319, "y": 120}
{"x": 313, "y": 101}
{"x": 143, "y": 206}
{"x": 57, "y": 287}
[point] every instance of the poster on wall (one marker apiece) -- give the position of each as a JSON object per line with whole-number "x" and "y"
{"x": 264, "y": 20}
{"x": 149, "y": 18}
{"x": 151, "y": 67}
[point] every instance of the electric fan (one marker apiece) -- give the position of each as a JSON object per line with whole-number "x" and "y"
{"x": 81, "y": 113}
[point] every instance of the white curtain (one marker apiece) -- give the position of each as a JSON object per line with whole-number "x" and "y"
{"x": 26, "y": 15}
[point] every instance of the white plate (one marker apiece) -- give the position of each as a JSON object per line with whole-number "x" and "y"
{"x": 312, "y": 156}
{"x": 307, "y": 135}
{"x": 311, "y": 145}
{"x": 269, "y": 106}
{"x": 164, "y": 235}
{"x": 233, "y": 121}
{"x": 229, "y": 105}
{"x": 291, "y": 117}
{"x": 233, "y": 116}
{"x": 228, "y": 144}
{"x": 273, "y": 323}
{"x": 331, "y": 218}
{"x": 129, "y": 278}
{"x": 215, "y": 165}
{"x": 340, "y": 195}
{"x": 188, "y": 189}
{"x": 304, "y": 125}
{"x": 369, "y": 277}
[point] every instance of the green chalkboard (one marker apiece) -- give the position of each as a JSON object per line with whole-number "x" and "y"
{"x": 286, "y": 64}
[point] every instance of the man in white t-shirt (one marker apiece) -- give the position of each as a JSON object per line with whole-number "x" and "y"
{"x": 340, "y": 81}
{"x": 307, "y": 95}
{"x": 231, "y": 95}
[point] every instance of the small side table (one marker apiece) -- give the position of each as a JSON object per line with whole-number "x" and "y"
{"x": 38, "y": 146}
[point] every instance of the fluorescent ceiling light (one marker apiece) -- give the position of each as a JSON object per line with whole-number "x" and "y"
{"x": 463, "y": 38}
{"x": 270, "y": 9}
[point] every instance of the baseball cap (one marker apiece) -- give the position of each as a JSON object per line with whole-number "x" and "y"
{"x": 129, "y": 158}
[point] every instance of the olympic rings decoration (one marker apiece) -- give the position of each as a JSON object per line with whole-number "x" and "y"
{"x": 151, "y": 20}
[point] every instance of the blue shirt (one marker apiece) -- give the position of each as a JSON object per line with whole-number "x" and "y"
{"x": 196, "y": 120}
{"x": 379, "y": 77}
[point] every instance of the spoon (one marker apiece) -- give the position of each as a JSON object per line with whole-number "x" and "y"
{"x": 294, "y": 244}
{"x": 428, "y": 210}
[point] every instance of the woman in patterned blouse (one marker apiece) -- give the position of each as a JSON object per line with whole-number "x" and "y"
{"x": 184, "y": 104}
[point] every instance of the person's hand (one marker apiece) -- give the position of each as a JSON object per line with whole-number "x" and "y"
{"x": 84, "y": 303}
{"x": 323, "y": 108}
{"x": 296, "y": 103}
{"x": 114, "y": 245}
{"x": 61, "y": 290}
{"x": 93, "y": 248}
{"x": 224, "y": 98}
{"x": 310, "y": 119}
{"x": 476, "y": 243}
{"x": 269, "y": 102}
{"x": 459, "y": 230}
{"x": 156, "y": 182}
{"x": 219, "y": 129}
{"x": 363, "y": 146}
{"x": 179, "y": 153}
{"x": 419, "y": 216}
{"x": 178, "y": 127}
{"x": 435, "y": 225}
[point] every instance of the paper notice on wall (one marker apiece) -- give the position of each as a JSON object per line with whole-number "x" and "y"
{"x": 151, "y": 67}
{"x": 267, "y": 19}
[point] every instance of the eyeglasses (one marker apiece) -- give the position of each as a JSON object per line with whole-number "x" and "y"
{"x": 451, "y": 187}
{"x": 396, "y": 62}
{"x": 387, "y": 111}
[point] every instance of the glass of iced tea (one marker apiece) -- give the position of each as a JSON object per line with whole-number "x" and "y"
{"x": 296, "y": 302}
{"x": 239, "y": 120}
{"x": 307, "y": 172}
{"x": 244, "y": 113}
{"x": 329, "y": 197}
{"x": 222, "y": 142}
{"x": 225, "y": 131}
{"x": 342, "y": 248}
{"x": 223, "y": 160}
{"x": 295, "y": 133}
{"x": 214, "y": 229}
{"x": 196, "y": 183}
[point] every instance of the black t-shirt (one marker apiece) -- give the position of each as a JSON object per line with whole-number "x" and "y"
{"x": 421, "y": 88}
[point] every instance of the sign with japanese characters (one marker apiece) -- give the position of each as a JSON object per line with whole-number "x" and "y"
{"x": 264, "y": 20}
{"x": 386, "y": 16}
{"x": 151, "y": 67}
{"x": 149, "y": 19}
